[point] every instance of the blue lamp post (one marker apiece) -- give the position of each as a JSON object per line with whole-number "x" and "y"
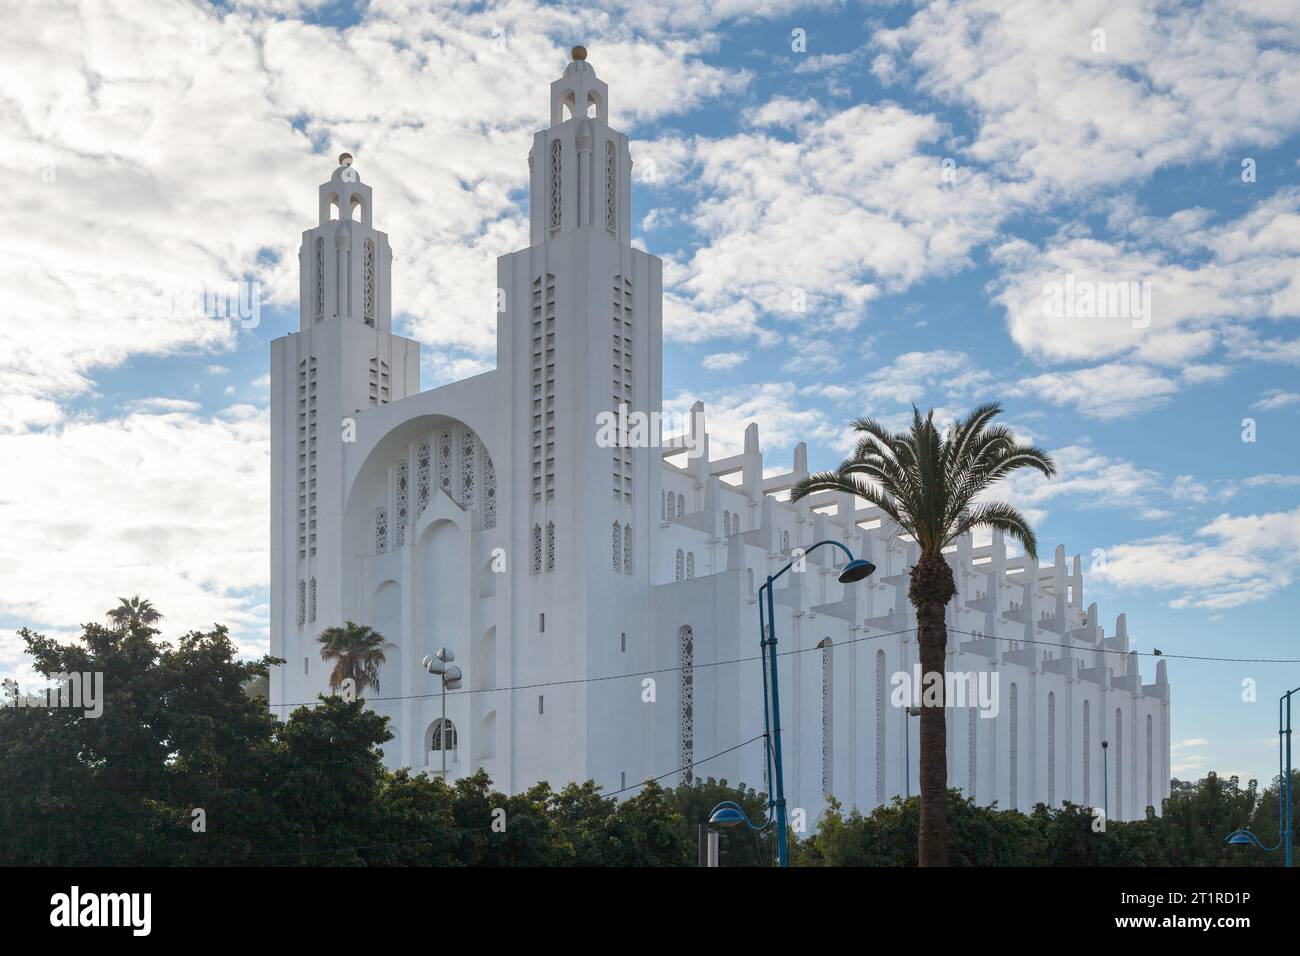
{"x": 1242, "y": 836}
{"x": 855, "y": 570}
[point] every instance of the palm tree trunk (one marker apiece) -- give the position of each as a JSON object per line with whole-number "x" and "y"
{"x": 931, "y": 589}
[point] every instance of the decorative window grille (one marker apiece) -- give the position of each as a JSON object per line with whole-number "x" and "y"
{"x": 311, "y": 456}
{"x": 537, "y": 549}
{"x": 618, "y": 545}
{"x": 1087, "y": 756}
{"x": 1051, "y": 748}
{"x": 785, "y": 540}
{"x": 311, "y": 599}
{"x": 467, "y": 469}
{"x": 381, "y": 530}
{"x": 557, "y": 172}
{"x": 1150, "y": 795}
{"x": 1119, "y": 764}
{"x": 972, "y": 766}
{"x": 828, "y": 713}
{"x": 423, "y": 454}
{"x": 690, "y": 565}
{"x": 401, "y": 479}
{"x": 302, "y": 602}
{"x": 302, "y": 459}
{"x": 550, "y": 546}
{"x": 320, "y": 278}
{"x": 543, "y": 389}
{"x": 489, "y": 493}
{"x": 686, "y": 717}
{"x": 681, "y": 559}
{"x": 681, "y": 505}
{"x": 726, "y": 524}
{"x": 368, "y": 281}
{"x": 444, "y": 463}
{"x": 1014, "y": 727}
{"x": 611, "y": 201}
{"x": 627, "y": 549}
{"x": 880, "y": 728}
{"x": 622, "y": 381}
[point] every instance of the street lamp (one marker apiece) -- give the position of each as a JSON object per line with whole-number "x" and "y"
{"x": 855, "y": 570}
{"x": 441, "y": 666}
{"x": 728, "y": 814}
{"x": 1243, "y": 837}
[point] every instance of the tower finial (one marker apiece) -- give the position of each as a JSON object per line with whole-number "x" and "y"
{"x": 345, "y": 159}
{"x": 578, "y": 52}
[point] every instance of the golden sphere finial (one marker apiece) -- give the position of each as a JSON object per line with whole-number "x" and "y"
{"x": 579, "y": 52}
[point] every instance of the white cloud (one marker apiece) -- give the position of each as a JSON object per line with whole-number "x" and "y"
{"x": 173, "y": 507}
{"x": 1230, "y": 561}
{"x": 1276, "y": 398}
{"x": 723, "y": 361}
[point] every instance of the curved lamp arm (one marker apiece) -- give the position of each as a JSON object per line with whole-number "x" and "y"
{"x": 729, "y": 813}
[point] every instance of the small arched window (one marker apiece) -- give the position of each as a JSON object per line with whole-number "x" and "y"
{"x": 557, "y": 173}
{"x": 690, "y": 565}
{"x": 726, "y": 524}
{"x": 681, "y": 505}
{"x": 681, "y": 565}
{"x": 441, "y": 736}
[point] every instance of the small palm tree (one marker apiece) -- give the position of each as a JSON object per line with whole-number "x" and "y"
{"x": 357, "y": 652}
{"x": 928, "y": 483}
{"x": 131, "y": 613}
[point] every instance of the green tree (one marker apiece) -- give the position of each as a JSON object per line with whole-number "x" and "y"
{"x": 930, "y": 484}
{"x": 133, "y": 613}
{"x": 357, "y": 653}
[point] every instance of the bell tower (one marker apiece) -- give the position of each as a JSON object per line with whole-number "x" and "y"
{"x": 578, "y": 338}
{"x": 342, "y": 361}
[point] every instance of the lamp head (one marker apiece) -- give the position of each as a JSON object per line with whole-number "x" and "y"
{"x": 453, "y": 677}
{"x": 726, "y": 817}
{"x": 856, "y": 570}
{"x": 1241, "y": 838}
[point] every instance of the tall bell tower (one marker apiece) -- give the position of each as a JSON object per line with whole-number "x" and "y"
{"x": 579, "y": 336}
{"x": 343, "y": 360}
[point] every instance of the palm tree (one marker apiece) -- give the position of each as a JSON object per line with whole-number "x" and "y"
{"x": 132, "y": 613}
{"x": 927, "y": 482}
{"x": 357, "y": 652}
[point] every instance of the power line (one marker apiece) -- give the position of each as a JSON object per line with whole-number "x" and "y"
{"x": 804, "y": 650}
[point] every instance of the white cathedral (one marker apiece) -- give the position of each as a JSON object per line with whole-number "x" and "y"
{"x": 602, "y": 600}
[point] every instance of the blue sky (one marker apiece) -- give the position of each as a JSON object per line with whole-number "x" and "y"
{"x": 180, "y": 145}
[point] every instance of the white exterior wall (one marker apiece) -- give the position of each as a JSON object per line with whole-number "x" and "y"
{"x": 437, "y": 588}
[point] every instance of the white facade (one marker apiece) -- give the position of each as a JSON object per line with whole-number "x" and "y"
{"x": 484, "y": 516}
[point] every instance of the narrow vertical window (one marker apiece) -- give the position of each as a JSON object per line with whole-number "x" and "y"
{"x": 1150, "y": 795}
{"x": 302, "y": 602}
{"x": 1051, "y": 748}
{"x": 550, "y": 546}
{"x": 311, "y": 598}
{"x": 681, "y": 559}
{"x": 537, "y": 549}
{"x": 611, "y": 199}
{"x": 972, "y": 764}
{"x": 467, "y": 453}
{"x": 880, "y": 728}
{"x": 489, "y": 492}
{"x": 828, "y": 714}
{"x": 686, "y": 714}
{"x": 381, "y": 530}
{"x": 1087, "y": 756}
{"x": 690, "y": 565}
{"x": 618, "y": 546}
{"x": 557, "y": 153}
{"x": 627, "y": 549}
{"x": 1013, "y": 719}
{"x": 368, "y": 281}
{"x": 1119, "y": 764}
{"x": 320, "y": 279}
{"x": 401, "y": 481}
{"x": 423, "y": 477}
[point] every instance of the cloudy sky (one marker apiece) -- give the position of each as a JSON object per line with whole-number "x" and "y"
{"x": 859, "y": 206}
